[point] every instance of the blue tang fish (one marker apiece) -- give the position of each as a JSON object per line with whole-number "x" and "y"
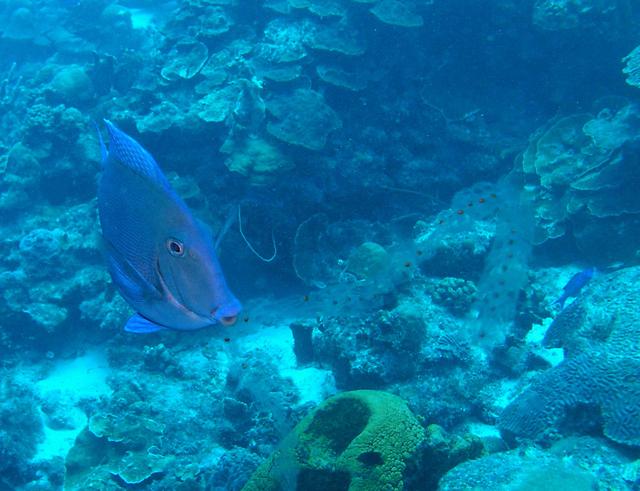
{"x": 159, "y": 256}
{"x": 574, "y": 285}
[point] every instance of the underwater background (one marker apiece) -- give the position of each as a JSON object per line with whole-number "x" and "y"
{"x": 445, "y": 197}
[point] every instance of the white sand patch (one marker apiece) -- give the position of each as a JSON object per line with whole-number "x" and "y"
{"x": 313, "y": 384}
{"x": 482, "y": 430}
{"x": 508, "y": 390}
{"x": 276, "y": 340}
{"x": 78, "y": 378}
{"x": 141, "y": 19}
{"x": 534, "y": 338}
{"x": 70, "y": 382}
{"x": 58, "y": 442}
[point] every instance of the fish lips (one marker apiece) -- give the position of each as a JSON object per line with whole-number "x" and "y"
{"x": 227, "y": 315}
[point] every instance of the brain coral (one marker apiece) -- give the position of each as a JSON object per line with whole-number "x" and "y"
{"x": 585, "y": 392}
{"x": 606, "y": 317}
{"x": 357, "y": 440}
{"x": 598, "y": 385}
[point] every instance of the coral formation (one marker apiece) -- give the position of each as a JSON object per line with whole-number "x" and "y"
{"x": 302, "y": 118}
{"x": 358, "y": 440}
{"x": 517, "y": 470}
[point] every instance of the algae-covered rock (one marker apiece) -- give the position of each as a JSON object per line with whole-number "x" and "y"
{"x": 440, "y": 452}
{"x": 356, "y": 441}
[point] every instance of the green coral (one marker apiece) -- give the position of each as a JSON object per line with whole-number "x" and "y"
{"x": 360, "y": 441}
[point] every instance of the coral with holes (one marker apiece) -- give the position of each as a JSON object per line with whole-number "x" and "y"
{"x": 20, "y": 432}
{"x": 49, "y": 269}
{"x": 588, "y": 393}
{"x": 376, "y": 350}
{"x": 356, "y": 441}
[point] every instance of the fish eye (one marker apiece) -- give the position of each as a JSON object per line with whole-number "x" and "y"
{"x": 175, "y": 247}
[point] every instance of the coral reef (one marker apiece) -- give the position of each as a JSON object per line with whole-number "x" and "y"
{"x": 376, "y": 139}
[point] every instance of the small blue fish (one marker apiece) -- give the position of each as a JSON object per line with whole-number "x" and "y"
{"x": 574, "y": 285}
{"x": 159, "y": 256}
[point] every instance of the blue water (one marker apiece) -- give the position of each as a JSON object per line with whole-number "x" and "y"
{"x": 422, "y": 180}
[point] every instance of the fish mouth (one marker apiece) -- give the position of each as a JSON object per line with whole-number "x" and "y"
{"x": 228, "y": 314}
{"x": 228, "y": 320}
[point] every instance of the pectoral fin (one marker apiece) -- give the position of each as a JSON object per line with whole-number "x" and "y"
{"x": 133, "y": 286}
{"x": 140, "y": 325}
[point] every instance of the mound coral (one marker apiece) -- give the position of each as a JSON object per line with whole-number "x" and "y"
{"x": 368, "y": 260}
{"x": 517, "y": 470}
{"x": 71, "y": 85}
{"x": 358, "y": 440}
